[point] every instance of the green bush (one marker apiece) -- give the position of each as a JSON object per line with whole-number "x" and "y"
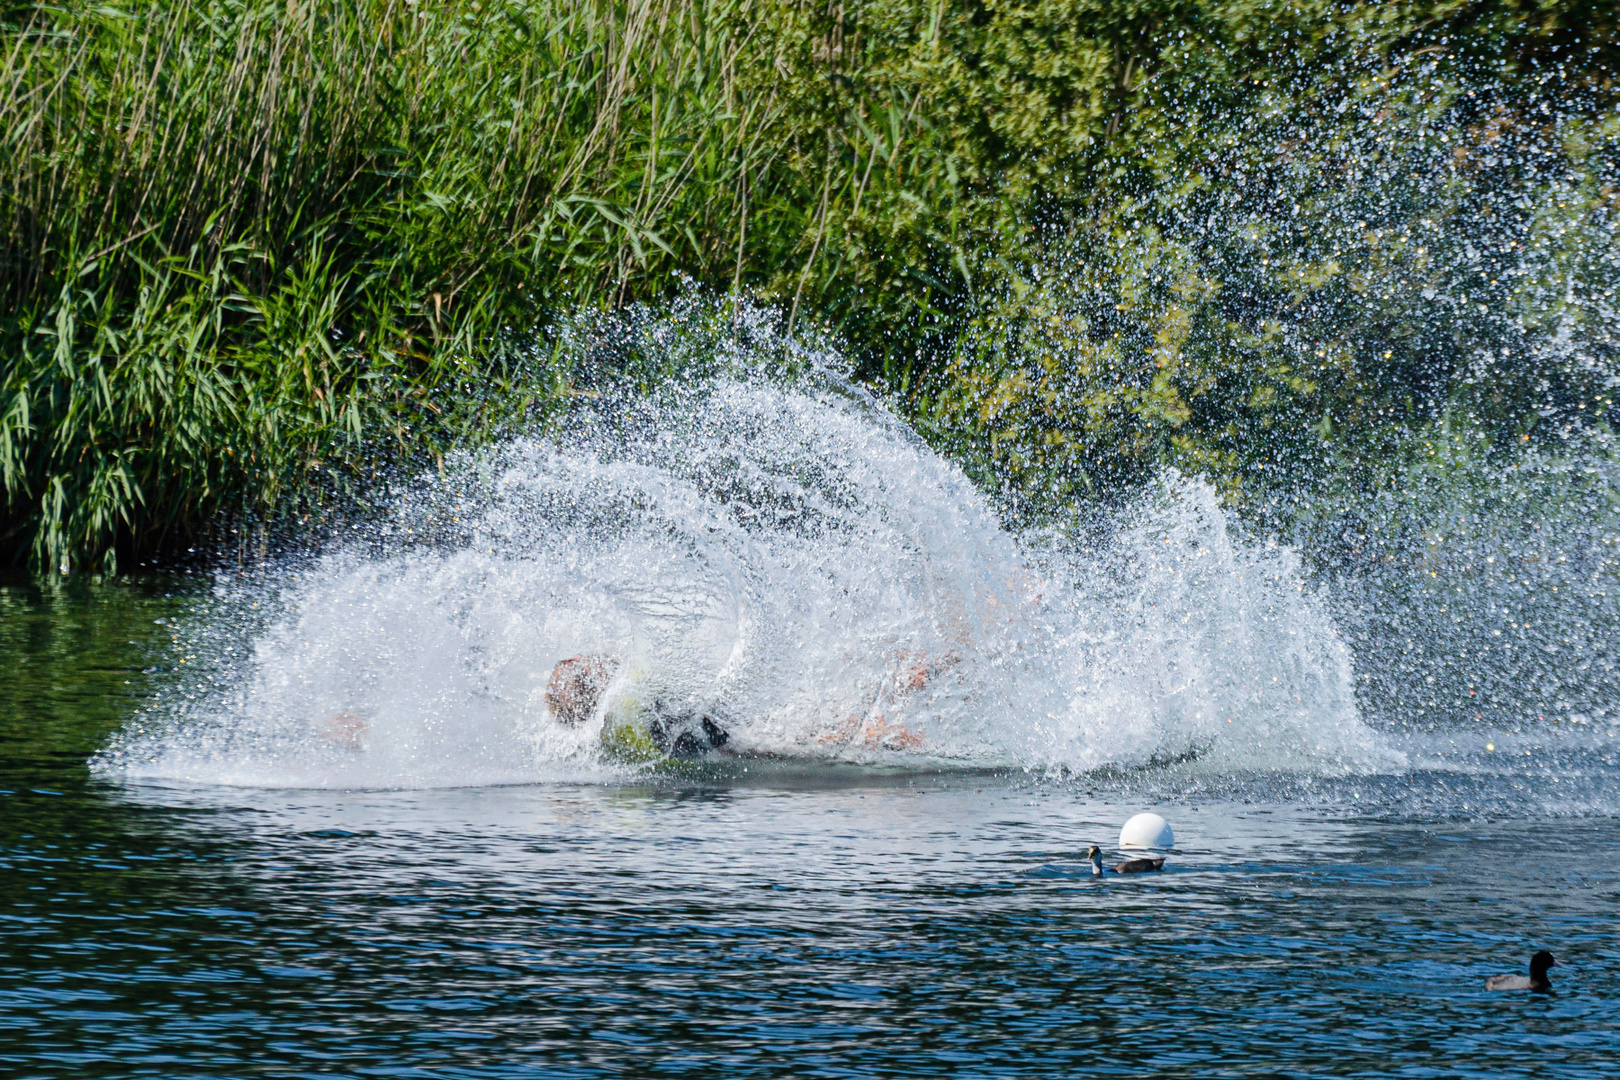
{"x": 1280, "y": 292}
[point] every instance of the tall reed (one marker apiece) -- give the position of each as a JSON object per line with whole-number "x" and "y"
{"x": 244, "y": 241}
{"x": 252, "y": 251}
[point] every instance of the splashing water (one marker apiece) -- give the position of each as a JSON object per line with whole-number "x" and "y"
{"x": 1381, "y": 318}
{"x": 789, "y": 560}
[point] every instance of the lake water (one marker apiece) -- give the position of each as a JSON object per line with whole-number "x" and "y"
{"x": 767, "y": 918}
{"x": 324, "y": 816}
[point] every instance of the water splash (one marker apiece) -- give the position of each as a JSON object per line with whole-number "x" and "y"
{"x": 1482, "y": 593}
{"x": 1380, "y": 314}
{"x": 784, "y": 557}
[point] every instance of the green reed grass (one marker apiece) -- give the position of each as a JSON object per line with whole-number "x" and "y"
{"x": 254, "y": 251}
{"x": 246, "y": 240}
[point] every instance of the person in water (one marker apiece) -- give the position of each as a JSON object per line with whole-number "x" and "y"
{"x": 577, "y": 684}
{"x": 638, "y": 727}
{"x": 576, "y": 687}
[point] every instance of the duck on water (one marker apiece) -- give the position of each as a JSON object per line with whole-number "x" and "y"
{"x": 1129, "y": 866}
{"x": 1538, "y": 980}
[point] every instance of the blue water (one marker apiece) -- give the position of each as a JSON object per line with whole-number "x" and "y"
{"x": 779, "y": 918}
{"x": 824, "y": 923}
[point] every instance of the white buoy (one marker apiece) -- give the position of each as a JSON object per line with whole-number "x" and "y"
{"x": 1147, "y": 831}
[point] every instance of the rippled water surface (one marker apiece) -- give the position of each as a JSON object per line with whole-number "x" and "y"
{"x": 763, "y": 919}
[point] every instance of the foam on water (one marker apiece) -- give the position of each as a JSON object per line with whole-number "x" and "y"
{"x": 788, "y": 558}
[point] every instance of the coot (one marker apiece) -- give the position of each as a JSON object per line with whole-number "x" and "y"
{"x": 1129, "y": 866}
{"x": 1538, "y": 980}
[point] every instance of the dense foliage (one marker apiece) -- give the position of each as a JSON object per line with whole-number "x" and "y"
{"x": 254, "y": 250}
{"x": 1280, "y": 291}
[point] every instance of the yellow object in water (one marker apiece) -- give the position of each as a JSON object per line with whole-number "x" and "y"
{"x": 624, "y": 723}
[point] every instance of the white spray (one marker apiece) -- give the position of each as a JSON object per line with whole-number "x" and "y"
{"x": 789, "y": 559}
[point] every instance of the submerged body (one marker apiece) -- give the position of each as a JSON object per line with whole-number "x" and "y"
{"x": 642, "y": 724}
{"x": 633, "y": 729}
{"x": 1538, "y": 980}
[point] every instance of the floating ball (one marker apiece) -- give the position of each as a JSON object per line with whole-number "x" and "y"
{"x": 1147, "y": 831}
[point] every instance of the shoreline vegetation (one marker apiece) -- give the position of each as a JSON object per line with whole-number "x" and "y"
{"x": 257, "y": 252}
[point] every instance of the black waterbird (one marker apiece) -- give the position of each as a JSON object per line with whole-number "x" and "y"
{"x": 1129, "y": 866}
{"x": 1538, "y": 980}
